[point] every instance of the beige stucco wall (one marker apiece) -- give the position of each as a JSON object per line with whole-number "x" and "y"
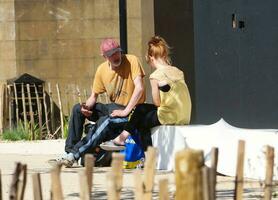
{"x": 7, "y": 40}
{"x": 140, "y": 27}
{"x": 58, "y": 41}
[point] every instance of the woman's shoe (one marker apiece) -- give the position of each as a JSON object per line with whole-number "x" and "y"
{"x": 111, "y": 146}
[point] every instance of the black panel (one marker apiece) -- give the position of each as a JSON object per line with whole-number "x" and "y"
{"x": 174, "y": 22}
{"x": 236, "y": 68}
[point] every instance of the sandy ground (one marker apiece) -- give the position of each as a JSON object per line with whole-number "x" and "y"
{"x": 36, "y": 154}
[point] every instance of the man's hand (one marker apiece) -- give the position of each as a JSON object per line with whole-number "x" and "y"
{"x": 119, "y": 113}
{"x": 85, "y": 110}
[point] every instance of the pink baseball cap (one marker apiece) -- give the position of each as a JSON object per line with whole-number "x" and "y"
{"x": 109, "y": 46}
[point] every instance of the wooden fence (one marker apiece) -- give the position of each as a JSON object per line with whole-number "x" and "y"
{"x": 40, "y": 109}
{"x": 194, "y": 180}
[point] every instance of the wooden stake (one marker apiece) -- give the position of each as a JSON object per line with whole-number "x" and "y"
{"x": 1, "y": 194}
{"x": 89, "y": 165}
{"x": 18, "y": 182}
{"x": 138, "y": 185}
{"x": 206, "y": 185}
{"x": 56, "y": 186}
{"x": 52, "y": 116}
{"x": 45, "y": 110}
{"x": 37, "y": 189}
{"x": 67, "y": 100}
{"x": 24, "y": 107}
{"x": 16, "y": 105}
{"x": 85, "y": 94}
{"x": 112, "y": 193}
{"x": 117, "y": 169}
{"x": 163, "y": 189}
{"x": 14, "y": 184}
{"x": 31, "y": 112}
{"x": 269, "y": 172}
{"x": 149, "y": 172}
{"x": 61, "y": 109}
{"x": 115, "y": 177}
{"x": 79, "y": 95}
{"x": 84, "y": 187}
{"x": 188, "y": 165}
{"x": 239, "y": 170}
{"x": 10, "y": 107}
{"x": 22, "y": 182}
{"x": 213, "y": 172}
{"x": 2, "y": 92}
{"x": 39, "y": 110}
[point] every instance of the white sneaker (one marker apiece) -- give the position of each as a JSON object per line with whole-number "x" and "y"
{"x": 66, "y": 160}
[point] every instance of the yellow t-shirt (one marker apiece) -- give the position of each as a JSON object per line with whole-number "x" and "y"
{"x": 175, "y": 105}
{"x": 118, "y": 83}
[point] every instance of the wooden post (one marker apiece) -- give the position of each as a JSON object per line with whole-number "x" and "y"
{"x": 1, "y": 194}
{"x": 84, "y": 187}
{"x": 2, "y": 92}
{"x": 22, "y": 182}
{"x": 115, "y": 177}
{"x": 188, "y": 165}
{"x": 149, "y": 172}
{"x": 16, "y": 104}
{"x": 18, "y": 184}
{"x": 14, "y": 184}
{"x": 56, "y": 186}
{"x": 51, "y": 109}
{"x": 206, "y": 185}
{"x": 239, "y": 170}
{"x": 112, "y": 193}
{"x": 24, "y": 107}
{"x": 67, "y": 100}
{"x": 61, "y": 110}
{"x": 10, "y": 107}
{"x": 269, "y": 172}
{"x": 31, "y": 112}
{"x": 39, "y": 110}
{"x": 85, "y": 94}
{"x": 213, "y": 172}
{"x": 78, "y": 94}
{"x": 45, "y": 110}
{"x": 138, "y": 185}
{"x": 89, "y": 165}
{"x": 163, "y": 189}
{"x": 37, "y": 189}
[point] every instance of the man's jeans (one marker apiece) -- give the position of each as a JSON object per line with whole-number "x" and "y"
{"x": 106, "y": 128}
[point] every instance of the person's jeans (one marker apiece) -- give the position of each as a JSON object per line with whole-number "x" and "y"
{"x": 77, "y": 120}
{"x": 106, "y": 128}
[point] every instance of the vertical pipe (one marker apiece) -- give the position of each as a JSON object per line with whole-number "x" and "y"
{"x": 123, "y": 25}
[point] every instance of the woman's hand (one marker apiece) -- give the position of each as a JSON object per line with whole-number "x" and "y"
{"x": 119, "y": 113}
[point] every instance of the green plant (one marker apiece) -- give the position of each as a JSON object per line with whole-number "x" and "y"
{"x": 18, "y": 133}
{"x": 22, "y": 133}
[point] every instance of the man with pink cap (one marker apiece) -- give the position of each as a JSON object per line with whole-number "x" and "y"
{"x": 121, "y": 77}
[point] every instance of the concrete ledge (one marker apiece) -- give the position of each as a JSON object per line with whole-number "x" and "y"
{"x": 33, "y": 147}
{"x": 170, "y": 139}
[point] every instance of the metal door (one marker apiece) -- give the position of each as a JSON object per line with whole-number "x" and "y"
{"x": 236, "y": 62}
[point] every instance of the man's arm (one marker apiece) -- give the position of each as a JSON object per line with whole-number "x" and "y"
{"x": 86, "y": 108}
{"x": 136, "y": 95}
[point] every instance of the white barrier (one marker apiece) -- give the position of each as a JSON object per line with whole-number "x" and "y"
{"x": 170, "y": 139}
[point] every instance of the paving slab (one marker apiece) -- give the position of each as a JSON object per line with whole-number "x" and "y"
{"x": 36, "y": 154}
